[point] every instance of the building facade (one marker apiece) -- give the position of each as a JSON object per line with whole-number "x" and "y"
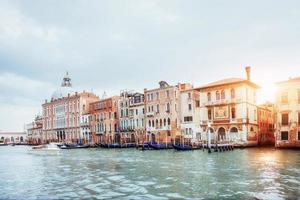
{"x": 137, "y": 116}
{"x": 266, "y": 120}
{"x": 190, "y": 116}
{"x": 162, "y": 113}
{"x": 86, "y": 136}
{"x": 229, "y": 107}
{"x": 13, "y": 137}
{"x": 126, "y": 123}
{"x": 35, "y": 130}
{"x": 61, "y": 115}
{"x": 104, "y": 122}
{"x": 288, "y": 114}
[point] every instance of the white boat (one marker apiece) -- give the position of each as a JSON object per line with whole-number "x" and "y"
{"x": 47, "y": 148}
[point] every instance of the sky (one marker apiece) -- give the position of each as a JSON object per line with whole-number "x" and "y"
{"x": 113, "y": 45}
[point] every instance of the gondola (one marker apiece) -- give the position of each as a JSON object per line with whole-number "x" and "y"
{"x": 128, "y": 145}
{"x": 160, "y": 146}
{"x": 185, "y": 147}
{"x": 182, "y": 147}
{"x": 114, "y": 145}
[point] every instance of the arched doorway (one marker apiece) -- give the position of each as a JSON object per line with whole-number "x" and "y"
{"x": 221, "y": 134}
{"x": 21, "y": 139}
{"x": 132, "y": 138}
{"x": 117, "y": 138}
{"x": 233, "y": 134}
{"x": 152, "y": 137}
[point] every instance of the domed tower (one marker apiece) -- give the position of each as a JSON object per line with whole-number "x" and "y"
{"x": 66, "y": 81}
{"x": 65, "y": 89}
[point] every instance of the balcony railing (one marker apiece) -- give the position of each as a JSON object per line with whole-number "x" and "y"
{"x": 150, "y": 114}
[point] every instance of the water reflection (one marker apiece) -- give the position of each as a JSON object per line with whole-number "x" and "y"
{"x": 132, "y": 174}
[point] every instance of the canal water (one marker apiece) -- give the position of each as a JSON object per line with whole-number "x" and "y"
{"x": 256, "y": 173}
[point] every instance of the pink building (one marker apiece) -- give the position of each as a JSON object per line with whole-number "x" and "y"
{"x": 61, "y": 115}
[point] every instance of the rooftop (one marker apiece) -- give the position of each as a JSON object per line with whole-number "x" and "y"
{"x": 291, "y": 80}
{"x": 228, "y": 81}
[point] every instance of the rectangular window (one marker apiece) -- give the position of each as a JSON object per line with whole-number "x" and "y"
{"x": 284, "y": 135}
{"x": 197, "y": 103}
{"x": 157, "y": 95}
{"x": 189, "y": 95}
{"x": 168, "y": 93}
{"x": 285, "y": 119}
{"x": 298, "y": 118}
{"x": 298, "y": 135}
{"x": 209, "y": 114}
{"x": 190, "y": 106}
{"x": 188, "y": 119}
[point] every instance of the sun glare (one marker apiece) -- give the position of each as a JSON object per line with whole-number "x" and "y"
{"x": 266, "y": 93}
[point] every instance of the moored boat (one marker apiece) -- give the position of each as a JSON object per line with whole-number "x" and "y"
{"x": 128, "y": 145}
{"x": 160, "y": 146}
{"x": 182, "y": 147}
{"x": 114, "y": 145}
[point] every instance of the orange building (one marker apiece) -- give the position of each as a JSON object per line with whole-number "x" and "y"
{"x": 266, "y": 121}
{"x": 104, "y": 120}
{"x": 162, "y": 112}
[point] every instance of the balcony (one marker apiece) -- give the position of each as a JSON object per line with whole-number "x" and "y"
{"x": 222, "y": 102}
{"x": 150, "y": 114}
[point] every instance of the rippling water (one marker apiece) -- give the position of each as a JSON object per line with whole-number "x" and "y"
{"x": 261, "y": 173}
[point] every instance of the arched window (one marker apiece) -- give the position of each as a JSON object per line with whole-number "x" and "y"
{"x": 160, "y": 123}
{"x": 251, "y": 129}
{"x": 190, "y": 131}
{"x": 232, "y": 93}
{"x": 169, "y": 121}
{"x": 152, "y": 123}
{"x": 165, "y": 122}
{"x": 217, "y": 95}
{"x": 222, "y": 94}
{"x": 209, "y": 96}
{"x": 168, "y": 107}
{"x": 156, "y": 122}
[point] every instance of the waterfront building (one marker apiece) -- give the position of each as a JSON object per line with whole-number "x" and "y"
{"x": 126, "y": 123}
{"x": 137, "y": 116}
{"x": 190, "y": 116}
{"x": 34, "y": 131}
{"x": 162, "y": 108}
{"x": 13, "y": 137}
{"x": 85, "y": 130}
{"x": 266, "y": 120}
{"x": 288, "y": 113}
{"x": 104, "y": 120}
{"x": 229, "y": 106}
{"x": 61, "y": 115}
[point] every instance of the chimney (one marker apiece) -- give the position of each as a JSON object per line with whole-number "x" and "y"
{"x": 248, "y": 72}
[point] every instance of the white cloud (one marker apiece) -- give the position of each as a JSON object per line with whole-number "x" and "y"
{"x": 14, "y": 26}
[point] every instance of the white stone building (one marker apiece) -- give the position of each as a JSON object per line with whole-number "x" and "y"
{"x": 137, "y": 116}
{"x": 230, "y": 107}
{"x": 85, "y": 131}
{"x": 190, "y": 115}
{"x": 288, "y": 114}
